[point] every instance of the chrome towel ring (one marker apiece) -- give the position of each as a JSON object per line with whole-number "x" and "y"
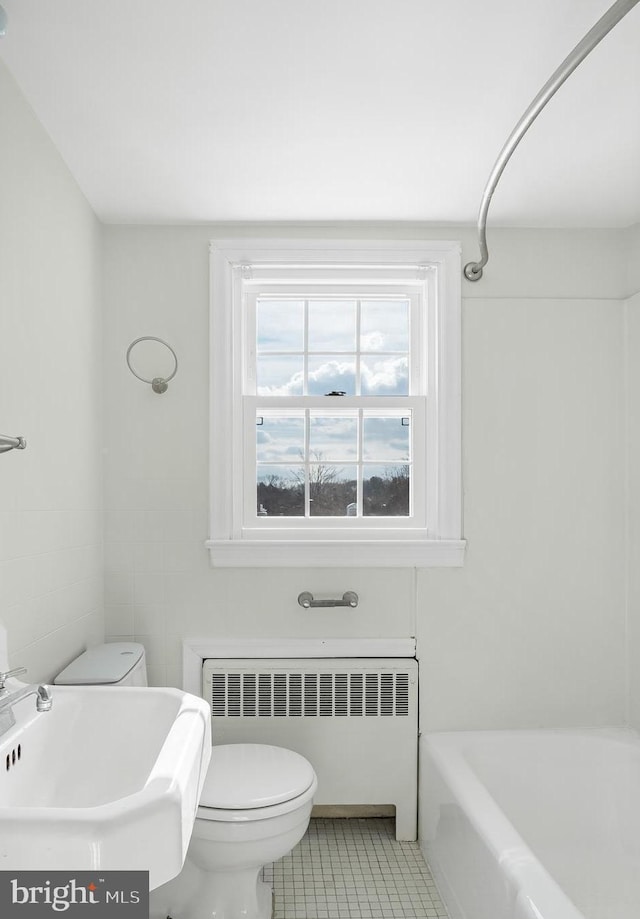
{"x": 158, "y": 384}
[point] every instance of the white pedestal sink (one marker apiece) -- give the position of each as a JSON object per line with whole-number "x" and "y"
{"x": 109, "y": 778}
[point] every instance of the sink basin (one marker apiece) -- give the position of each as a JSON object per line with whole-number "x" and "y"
{"x": 109, "y": 778}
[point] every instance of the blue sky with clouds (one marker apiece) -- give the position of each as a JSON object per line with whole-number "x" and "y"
{"x": 332, "y": 336}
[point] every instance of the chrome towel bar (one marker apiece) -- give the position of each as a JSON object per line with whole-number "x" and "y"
{"x": 306, "y": 601}
{"x": 11, "y": 443}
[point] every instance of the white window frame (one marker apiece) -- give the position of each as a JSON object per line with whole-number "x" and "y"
{"x": 434, "y": 267}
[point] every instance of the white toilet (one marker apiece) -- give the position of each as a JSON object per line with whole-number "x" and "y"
{"x": 254, "y": 808}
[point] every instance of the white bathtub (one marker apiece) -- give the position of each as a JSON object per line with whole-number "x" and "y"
{"x": 533, "y": 824}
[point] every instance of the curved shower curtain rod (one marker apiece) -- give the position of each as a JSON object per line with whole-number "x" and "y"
{"x": 473, "y": 270}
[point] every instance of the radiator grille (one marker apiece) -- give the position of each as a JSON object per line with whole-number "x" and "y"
{"x": 309, "y": 695}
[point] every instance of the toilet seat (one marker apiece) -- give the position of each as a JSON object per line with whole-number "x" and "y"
{"x": 253, "y": 815}
{"x": 254, "y": 782}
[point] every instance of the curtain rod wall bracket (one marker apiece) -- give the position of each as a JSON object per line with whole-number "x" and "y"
{"x": 473, "y": 271}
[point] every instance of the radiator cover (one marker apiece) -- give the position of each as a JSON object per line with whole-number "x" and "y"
{"x": 355, "y": 719}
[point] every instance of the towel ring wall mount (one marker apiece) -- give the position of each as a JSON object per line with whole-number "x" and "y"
{"x": 158, "y": 384}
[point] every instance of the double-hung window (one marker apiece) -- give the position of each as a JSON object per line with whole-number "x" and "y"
{"x": 335, "y": 425}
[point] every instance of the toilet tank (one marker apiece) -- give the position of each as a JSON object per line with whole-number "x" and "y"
{"x": 118, "y": 663}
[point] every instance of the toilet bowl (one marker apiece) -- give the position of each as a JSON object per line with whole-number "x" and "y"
{"x": 254, "y": 808}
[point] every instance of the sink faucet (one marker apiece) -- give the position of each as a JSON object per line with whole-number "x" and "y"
{"x": 8, "y": 699}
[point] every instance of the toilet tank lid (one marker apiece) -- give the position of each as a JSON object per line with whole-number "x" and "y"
{"x": 247, "y": 776}
{"x": 107, "y": 663}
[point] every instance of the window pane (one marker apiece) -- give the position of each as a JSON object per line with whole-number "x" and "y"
{"x": 384, "y": 376}
{"x": 332, "y": 325}
{"x": 332, "y": 374}
{"x": 279, "y": 438}
{"x": 280, "y": 325}
{"x": 384, "y": 325}
{"x": 279, "y": 375}
{"x": 386, "y": 438}
{"x": 280, "y": 491}
{"x": 333, "y": 439}
{"x": 332, "y": 490}
{"x": 385, "y": 490}
{"x": 322, "y": 462}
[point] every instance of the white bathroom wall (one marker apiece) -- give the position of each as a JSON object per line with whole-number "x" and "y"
{"x": 633, "y": 473}
{"x": 531, "y": 630}
{"x": 50, "y": 393}
{"x": 632, "y": 236}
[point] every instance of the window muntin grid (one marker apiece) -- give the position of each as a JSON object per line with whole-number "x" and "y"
{"x": 357, "y": 346}
{"x": 353, "y": 463}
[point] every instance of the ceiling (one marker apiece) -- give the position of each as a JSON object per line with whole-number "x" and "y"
{"x": 333, "y": 110}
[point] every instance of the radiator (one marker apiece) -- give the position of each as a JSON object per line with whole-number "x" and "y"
{"x": 355, "y": 720}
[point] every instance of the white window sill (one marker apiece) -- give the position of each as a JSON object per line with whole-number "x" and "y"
{"x": 379, "y": 553}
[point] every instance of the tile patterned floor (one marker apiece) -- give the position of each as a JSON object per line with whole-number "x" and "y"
{"x": 354, "y": 869}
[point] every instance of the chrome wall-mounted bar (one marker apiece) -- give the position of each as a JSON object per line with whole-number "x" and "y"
{"x": 473, "y": 270}
{"x": 306, "y": 601}
{"x": 11, "y": 443}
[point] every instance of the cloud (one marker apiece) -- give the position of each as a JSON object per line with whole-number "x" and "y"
{"x": 372, "y": 341}
{"x": 386, "y": 377}
{"x": 293, "y": 387}
{"x": 380, "y": 377}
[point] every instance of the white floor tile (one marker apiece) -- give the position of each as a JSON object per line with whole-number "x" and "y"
{"x": 354, "y": 869}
